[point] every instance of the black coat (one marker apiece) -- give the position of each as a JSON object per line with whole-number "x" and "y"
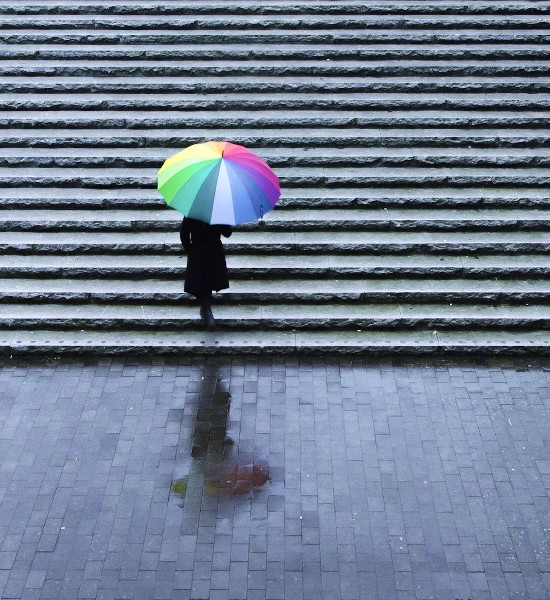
{"x": 206, "y": 267}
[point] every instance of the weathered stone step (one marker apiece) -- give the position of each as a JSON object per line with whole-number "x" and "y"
{"x": 258, "y": 50}
{"x": 278, "y": 265}
{"x": 275, "y": 119}
{"x": 163, "y": 341}
{"x": 278, "y": 68}
{"x": 178, "y": 7}
{"x": 281, "y": 291}
{"x": 373, "y": 156}
{"x": 266, "y": 139}
{"x": 289, "y": 177}
{"x": 295, "y": 101}
{"x": 346, "y": 38}
{"x": 266, "y": 242}
{"x": 270, "y": 318}
{"x": 282, "y": 220}
{"x": 425, "y": 197}
{"x": 274, "y": 83}
{"x": 401, "y": 105}
{"x": 500, "y": 101}
{"x": 281, "y": 22}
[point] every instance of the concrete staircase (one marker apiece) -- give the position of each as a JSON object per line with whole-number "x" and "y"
{"x": 412, "y": 141}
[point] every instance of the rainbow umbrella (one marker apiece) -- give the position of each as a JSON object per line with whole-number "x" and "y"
{"x": 219, "y": 183}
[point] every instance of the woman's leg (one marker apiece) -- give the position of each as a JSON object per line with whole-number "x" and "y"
{"x": 205, "y": 300}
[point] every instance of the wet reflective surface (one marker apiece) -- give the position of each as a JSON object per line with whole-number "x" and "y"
{"x": 218, "y": 463}
{"x": 257, "y": 479}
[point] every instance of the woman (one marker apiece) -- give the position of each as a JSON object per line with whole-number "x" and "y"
{"x": 206, "y": 268}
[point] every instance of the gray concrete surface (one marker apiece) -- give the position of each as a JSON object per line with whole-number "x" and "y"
{"x": 251, "y": 478}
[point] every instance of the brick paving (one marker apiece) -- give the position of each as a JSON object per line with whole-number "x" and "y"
{"x": 268, "y": 479}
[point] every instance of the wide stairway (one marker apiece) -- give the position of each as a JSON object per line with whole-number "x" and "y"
{"x": 411, "y": 139}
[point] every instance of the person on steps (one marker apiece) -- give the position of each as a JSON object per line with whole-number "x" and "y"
{"x": 206, "y": 267}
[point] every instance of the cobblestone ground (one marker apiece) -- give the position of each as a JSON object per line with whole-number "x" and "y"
{"x": 313, "y": 479}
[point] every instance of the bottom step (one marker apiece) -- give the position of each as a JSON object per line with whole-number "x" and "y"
{"x": 273, "y": 343}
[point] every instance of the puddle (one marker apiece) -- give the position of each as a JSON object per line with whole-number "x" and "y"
{"x": 218, "y": 466}
{"x": 234, "y": 479}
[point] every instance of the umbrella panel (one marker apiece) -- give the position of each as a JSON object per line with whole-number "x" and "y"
{"x": 176, "y": 178}
{"x": 201, "y": 207}
{"x": 223, "y": 212}
{"x": 244, "y": 210}
{"x": 186, "y": 196}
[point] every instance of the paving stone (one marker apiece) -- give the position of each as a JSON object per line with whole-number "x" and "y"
{"x": 386, "y": 536}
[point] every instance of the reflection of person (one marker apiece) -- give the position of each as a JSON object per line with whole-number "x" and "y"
{"x": 206, "y": 267}
{"x": 217, "y": 466}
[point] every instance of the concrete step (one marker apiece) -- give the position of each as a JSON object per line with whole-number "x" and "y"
{"x": 267, "y": 119}
{"x": 317, "y": 177}
{"x": 251, "y": 317}
{"x": 179, "y": 7}
{"x": 282, "y": 22}
{"x": 351, "y": 137}
{"x": 282, "y": 219}
{"x": 266, "y": 242}
{"x": 298, "y": 101}
{"x": 257, "y": 50}
{"x": 373, "y": 114}
{"x": 287, "y": 157}
{"x": 166, "y": 341}
{"x": 165, "y": 266}
{"x": 348, "y": 37}
{"x": 426, "y": 197}
{"x": 276, "y": 291}
{"x": 274, "y": 83}
{"x": 277, "y": 68}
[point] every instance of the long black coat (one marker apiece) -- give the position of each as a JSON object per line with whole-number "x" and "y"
{"x": 206, "y": 267}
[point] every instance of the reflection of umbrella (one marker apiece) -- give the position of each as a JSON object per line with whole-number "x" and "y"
{"x": 219, "y": 183}
{"x": 234, "y": 478}
{"x": 240, "y": 479}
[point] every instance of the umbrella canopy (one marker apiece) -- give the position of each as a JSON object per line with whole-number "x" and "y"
{"x": 219, "y": 183}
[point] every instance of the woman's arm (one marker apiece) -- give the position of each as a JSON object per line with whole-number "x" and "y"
{"x": 185, "y": 234}
{"x": 226, "y": 230}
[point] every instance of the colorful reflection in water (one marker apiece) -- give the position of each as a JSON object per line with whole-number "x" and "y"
{"x": 218, "y": 465}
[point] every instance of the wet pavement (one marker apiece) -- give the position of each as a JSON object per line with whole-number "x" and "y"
{"x": 274, "y": 478}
